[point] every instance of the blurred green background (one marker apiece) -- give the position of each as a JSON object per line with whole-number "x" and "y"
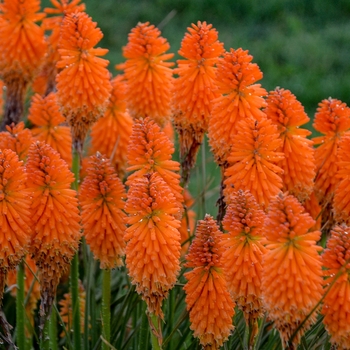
{"x": 300, "y": 45}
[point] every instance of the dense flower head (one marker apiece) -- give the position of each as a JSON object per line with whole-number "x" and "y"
{"x": 2, "y": 100}
{"x": 208, "y": 300}
{"x": 45, "y": 114}
{"x": 333, "y": 120}
{"x": 101, "y": 200}
{"x": 194, "y": 89}
{"x": 22, "y": 43}
{"x": 153, "y": 240}
{"x": 341, "y": 201}
{"x": 148, "y": 75}
{"x": 313, "y": 207}
{"x": 292, "y": 274}
{"x": 336, "y": 304}
{"x": 56, "y": 219}
{"x": 149, "y": 151}
{"x": 15, "y": 217}
{"x": 288, "y": 114}
{"x": 239, "y": 97}
{"x": 110, "y": 134}
{"x": 82, "y": 72}
{"x": 253, "y": 161}
{"x": 242, "y": 257}
{"x": 17, "y": 138}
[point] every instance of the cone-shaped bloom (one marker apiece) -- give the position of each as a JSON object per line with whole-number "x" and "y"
{"x": 333, "y": 120}
{"x": 17, "y": 138}
{"x": 298, "y": 165}
{"x": 153, "y": 240}
{"x": 55, "y": 216}
{"x": 101, "y": 200}
{"x": 239, "y": 97}
{"x": 66, "y": 310}
{"x": 15, "y": 222}
{"x": 22, "y": 49}
{"x": 194, "y": 89}
{"x": 110, "y": 135}
{"x": 45, "y": 114}
{"x": 82, "y": 72}
{"x": 336, "y": 304}
{"x": 148, "y": 75}
{"x": 208, "y": 300}
{"x": 44, "y": 82}
{"x": 254, "y": 159}
{"x": 292, "y": 274}
{"x": 31, "y": 285}
{"x": 150, "y": 151}
{"x": 243, "y": 253}
{"x": 341, "y": 201}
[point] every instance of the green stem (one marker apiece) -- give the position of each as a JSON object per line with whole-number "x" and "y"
{"x": 171, "y": 301}
{"x": 106, "y": 311}
{"x": 144, "y": 334}
{"x": 74, "y": 272}
{"x": 20, "y": 309}
{"x": 155, "y": 329}
{"x": 45, "y": 339}
{"x": 53, "y": 331}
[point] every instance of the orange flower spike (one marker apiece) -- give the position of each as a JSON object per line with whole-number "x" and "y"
{"x": 333, "y": 120}
{"x": 82, "y": 72}
{"x": 56, "y": 219}
{"x": 194, "y": 89}
{"x": 312, "y": 206}
{"x": 44, "y": 82}
{"x": 254, "y": 161}
{"x": 239, "y": 98}
{"x": 45, "y": 114}
{"x": 208, "y": 300}
{"x": 288, "y": 114}
{"x": 110, "y": 135}
{"x": 148, "y": 75}
{"x": 341, "y": 200}
{"x": 153, "y": 240}
{"x": 22, "y": 47}
{"x": 17, "y": 138}
{"x": 336, "y": 304}
{"x": 292, "y": 273}
{"x": 101, "y": 200}
{"x": 15, "y": 217}
{"x": 242, "y": 257}
{"x": 150, "y": 150}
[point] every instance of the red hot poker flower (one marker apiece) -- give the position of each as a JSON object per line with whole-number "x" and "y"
{"x": 298, "y": 165}
{"x": 194, "y": 89}
{"x": 292, "y": 273}
{"x": 148, "y": 75}
{"x": 101, "y": 199}
{"x": 208, "y": 300}
{"x": 56, "y": 219}
{"x": 333, "y": 120}
{"x": 239, "y": 98}
{"x": 83, "y": 72}
{"x": 242, "y": 258}
{"x": 336, "y": 305}
{"x": 254, "y": 160}
{"x": 15, "y": 216}
{"x": 153, "y": 239}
